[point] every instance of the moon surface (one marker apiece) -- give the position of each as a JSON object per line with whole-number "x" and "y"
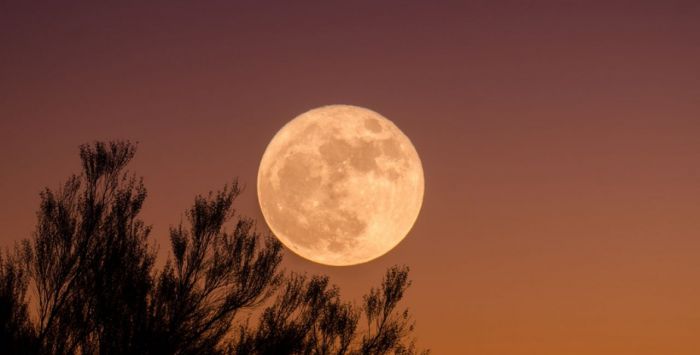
{"x": 340, "y": 185}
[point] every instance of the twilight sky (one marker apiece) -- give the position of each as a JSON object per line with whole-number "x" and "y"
{"x": 560, "y": 142}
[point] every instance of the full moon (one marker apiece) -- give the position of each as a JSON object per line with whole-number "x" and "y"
{"x": 340, "y": 185}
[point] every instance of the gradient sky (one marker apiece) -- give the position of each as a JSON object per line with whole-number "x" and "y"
{"x": 560, "y": 142}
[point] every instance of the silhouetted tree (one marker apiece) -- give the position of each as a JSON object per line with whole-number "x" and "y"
{"x": 214, "y": 275}
{"x": 308, "y": 317}
{"x": 89, "y": 259}
{"x": 90, "y": 265}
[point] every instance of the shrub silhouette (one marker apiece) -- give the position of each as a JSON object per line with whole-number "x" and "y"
{"x": 89, "y": 273}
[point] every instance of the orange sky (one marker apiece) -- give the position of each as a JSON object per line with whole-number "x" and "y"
{"x": 560, "y": 142}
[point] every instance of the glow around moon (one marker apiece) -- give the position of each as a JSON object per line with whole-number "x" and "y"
{"x": 340, "y": 185}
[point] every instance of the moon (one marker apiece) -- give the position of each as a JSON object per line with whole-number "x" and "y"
{"x": 340, "y": 185}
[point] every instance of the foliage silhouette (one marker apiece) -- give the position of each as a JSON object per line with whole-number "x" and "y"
{"x": 16, "y": 333}
{"x": 95, "y": 289}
